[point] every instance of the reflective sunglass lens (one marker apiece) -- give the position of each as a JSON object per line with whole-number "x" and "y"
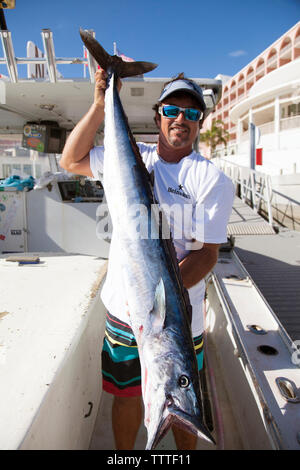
{"x": 171, "y": 111}
{"x": 192, "y": 114}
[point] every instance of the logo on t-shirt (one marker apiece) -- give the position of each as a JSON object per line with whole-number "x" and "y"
{"x": 179, "y": 191}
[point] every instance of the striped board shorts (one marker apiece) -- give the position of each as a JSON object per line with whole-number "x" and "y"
{"x": 121, "y": 370}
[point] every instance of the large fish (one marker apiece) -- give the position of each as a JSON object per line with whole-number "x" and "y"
{"x": 157, "y": 302}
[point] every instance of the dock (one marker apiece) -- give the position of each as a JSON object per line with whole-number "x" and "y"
{"x": 272, "y": 260}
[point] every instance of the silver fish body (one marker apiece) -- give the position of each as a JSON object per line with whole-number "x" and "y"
{"x": 158, "y": 304}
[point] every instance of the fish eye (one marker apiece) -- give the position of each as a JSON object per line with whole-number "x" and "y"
{"x": 183, "y": 381}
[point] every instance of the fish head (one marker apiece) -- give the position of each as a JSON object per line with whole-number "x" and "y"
{"x": 172, "y": 396}
{"x": 170, "y": 377}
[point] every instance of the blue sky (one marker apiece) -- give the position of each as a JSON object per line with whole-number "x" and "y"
{"x": 200, "y": 38}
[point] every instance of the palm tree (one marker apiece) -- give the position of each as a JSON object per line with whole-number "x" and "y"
{"x": 214, "y": 136}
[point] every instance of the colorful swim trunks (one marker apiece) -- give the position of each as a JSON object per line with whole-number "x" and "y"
{"x": 121, "y": 370}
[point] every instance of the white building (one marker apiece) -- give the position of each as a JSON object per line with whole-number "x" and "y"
{"x": 273, "y": 105}
{"x": 267, "y": 93}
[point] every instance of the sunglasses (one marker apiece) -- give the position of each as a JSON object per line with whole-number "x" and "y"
{"x": 171, "y": 111}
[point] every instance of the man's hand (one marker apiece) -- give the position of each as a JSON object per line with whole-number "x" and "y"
{"x": 100, "y": 87}
{"x": 198, "y": 263}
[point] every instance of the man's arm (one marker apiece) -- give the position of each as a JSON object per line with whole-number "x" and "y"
{"x": 198, "y": 263}
{"x": 75, "y": 156}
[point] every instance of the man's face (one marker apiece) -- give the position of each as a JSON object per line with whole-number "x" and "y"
{"x": 178, "y": 133}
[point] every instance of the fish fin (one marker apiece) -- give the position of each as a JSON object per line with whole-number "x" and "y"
{"x": 114, "y": 62}
{"x": 130, "y": 69}
{"x": 159, "y": 308}
{"x": 97, "y": 51}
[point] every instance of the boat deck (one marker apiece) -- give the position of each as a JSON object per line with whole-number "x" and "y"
{"x": 273, "y": 261}
{"x": 60, "y": 343}
{"x": 270, "y": 258}
{"x": 51, "y": 333}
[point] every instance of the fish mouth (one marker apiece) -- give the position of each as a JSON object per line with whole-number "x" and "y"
{"x": 173, "y": 415}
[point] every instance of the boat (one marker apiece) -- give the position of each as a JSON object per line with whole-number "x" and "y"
{"x": 52, "y": 267}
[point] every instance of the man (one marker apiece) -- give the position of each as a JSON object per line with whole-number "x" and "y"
{"x": 181, "y": 177}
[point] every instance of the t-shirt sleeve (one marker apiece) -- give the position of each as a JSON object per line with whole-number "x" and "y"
{"x": 96, "y": 161}
{"x": 211, "y": 216}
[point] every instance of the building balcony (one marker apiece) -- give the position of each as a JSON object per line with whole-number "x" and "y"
{"x": 286, "y": 50}
{"x": 267, "y": 128}
{"x": 272, "y": 62}
{"x": 289, "y": 123}
{"x": 260, "y": 70}
{"x": 245, "y": 136}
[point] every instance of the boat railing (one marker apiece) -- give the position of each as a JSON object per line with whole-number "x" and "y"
{"x": 49, "y": 59}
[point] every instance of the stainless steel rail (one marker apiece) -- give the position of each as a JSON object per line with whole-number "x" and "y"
{"x": 253, "y": 186}
{"x": 49, "y": 59}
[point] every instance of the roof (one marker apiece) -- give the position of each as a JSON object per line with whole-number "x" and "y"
{"x": 67, "y": 100}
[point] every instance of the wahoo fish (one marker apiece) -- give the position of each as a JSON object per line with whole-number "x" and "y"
{"x": 158, "y": 305}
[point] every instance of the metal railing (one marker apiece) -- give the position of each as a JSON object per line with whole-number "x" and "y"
{"x": 286, "y": 210}
{"x": 252, "y": 186}
{"x": 49, "y": 59}
{"x": 289, "y": 122}
{"x": 255, "y": 188}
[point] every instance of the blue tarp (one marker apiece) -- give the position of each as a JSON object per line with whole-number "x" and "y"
{"x": 17, "y": 182}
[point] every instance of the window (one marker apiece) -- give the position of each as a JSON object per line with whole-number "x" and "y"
{"x": 293, "y": 109}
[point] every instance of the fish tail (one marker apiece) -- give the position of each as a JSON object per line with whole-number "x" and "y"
{"x": 114, "y": 62}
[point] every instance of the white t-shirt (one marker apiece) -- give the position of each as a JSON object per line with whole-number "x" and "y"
{"x": 202, "y": 197}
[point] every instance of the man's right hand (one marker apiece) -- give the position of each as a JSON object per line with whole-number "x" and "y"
{"x": 100, "y": 87}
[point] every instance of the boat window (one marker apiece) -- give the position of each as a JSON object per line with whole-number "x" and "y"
{"x": 16, "y": 160}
